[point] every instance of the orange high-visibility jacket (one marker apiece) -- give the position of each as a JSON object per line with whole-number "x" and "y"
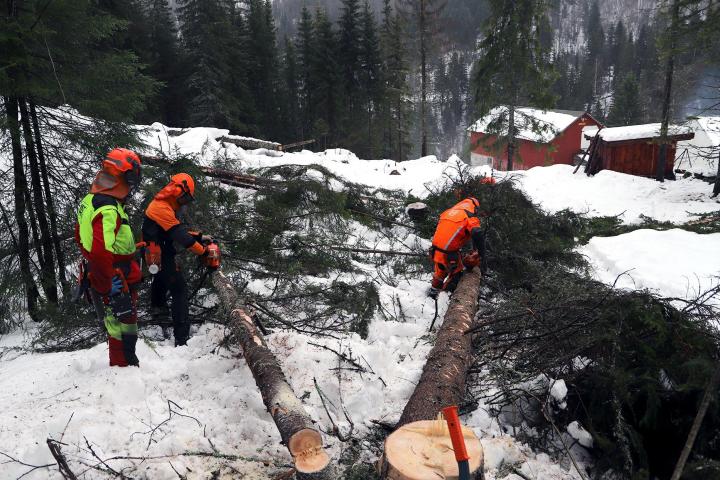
{"x": 456, "y": 225}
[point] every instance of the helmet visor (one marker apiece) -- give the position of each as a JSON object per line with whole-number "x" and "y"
{"x": 134, "y": 175}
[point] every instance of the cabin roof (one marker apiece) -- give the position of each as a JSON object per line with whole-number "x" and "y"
{"x": 535, "y": 125}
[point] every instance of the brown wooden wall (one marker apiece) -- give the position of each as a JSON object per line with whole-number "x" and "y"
{"x": 635, "y": 158}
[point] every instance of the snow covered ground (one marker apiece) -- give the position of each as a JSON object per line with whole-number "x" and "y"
{"x": 76, "y": 398}
{"x": 673, "y": 263}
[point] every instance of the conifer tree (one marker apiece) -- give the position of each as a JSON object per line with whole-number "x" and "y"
{"x": 369, "y": 75}
{"x": 626, "y": 108}
{"x": 349, "y": 51}
{"x": 325, "y": 76}
{"x": 166, "y": 64}
{"x": 291, "y": 93}
{"x": 305, "y": 47}
{"x": 210, "y": 39}
{"x": 395, "y": 105}
{"x": 426, "y": 14}
{"x": 512, "y": 70}
{"x": 262, "y": 66}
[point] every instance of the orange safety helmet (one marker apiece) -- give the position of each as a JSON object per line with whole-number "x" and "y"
{"x": 185, "y": 191}
{"x": 124, "y": 163}
{"x": 180, "y": 190}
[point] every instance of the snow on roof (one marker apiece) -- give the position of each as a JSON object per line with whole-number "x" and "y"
{"x": 711, "y": 126}
{"x": 540, "y": 126}
{"x": 637, "y": 132}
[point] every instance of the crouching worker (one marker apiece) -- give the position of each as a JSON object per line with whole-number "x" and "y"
{"x": 106, "y": 241}
{"x": 161, "y": 230}
{"x": 457, "y": 226}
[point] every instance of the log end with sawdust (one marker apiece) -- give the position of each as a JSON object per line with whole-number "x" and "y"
{"x": 423, "y": 450}
{"x": 297, "y": 430}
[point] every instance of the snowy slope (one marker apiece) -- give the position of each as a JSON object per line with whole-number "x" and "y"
{"x": 674, "y": 263}
{"x": 75, "y": 396}
{"x": 611, "y": 193}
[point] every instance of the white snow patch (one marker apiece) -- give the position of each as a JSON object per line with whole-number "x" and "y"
{"x": 580, "y": 434}
{"x": 673, "y": 263}
{"x": 558, "y": 390}
{"x": 609, "y": 193}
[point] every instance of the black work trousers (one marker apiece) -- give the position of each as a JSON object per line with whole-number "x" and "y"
{"x": 171, "y": 280}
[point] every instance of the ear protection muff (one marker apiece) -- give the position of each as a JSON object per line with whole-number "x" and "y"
{"x": 185, "y": 197}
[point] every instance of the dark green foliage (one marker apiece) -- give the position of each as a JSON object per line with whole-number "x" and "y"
{"x": 85, "y": 68}
{"x": 640, "y": 356}
{"x": 394, "y": 112}
{"x": 626, "y": 109}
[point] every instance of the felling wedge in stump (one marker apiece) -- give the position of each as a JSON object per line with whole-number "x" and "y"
{"x": 296, "y": 428}
{"x": 441, "y": 384}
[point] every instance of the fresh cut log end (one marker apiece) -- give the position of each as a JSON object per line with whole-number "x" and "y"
{"x": 307, "y": 449}
{"x": 423, "y": 451}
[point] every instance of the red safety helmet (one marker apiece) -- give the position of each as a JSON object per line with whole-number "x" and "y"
{"x": 121, "y": 162}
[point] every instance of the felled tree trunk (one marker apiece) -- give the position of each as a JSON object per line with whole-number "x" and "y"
{"x": 297, "y": 430}
{"x": 442, "y": 382}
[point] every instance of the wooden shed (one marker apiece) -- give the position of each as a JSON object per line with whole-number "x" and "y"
{"x": 544, "y": 137}
{"x": 634, "y": 149}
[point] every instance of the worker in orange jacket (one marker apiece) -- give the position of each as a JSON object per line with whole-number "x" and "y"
{"x": 107, "y": 245}
{"x": 457, "y": 226}
{"x": 161, "y": 231}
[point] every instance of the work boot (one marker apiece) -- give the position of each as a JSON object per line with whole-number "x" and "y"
{"x": 128, "y": 346}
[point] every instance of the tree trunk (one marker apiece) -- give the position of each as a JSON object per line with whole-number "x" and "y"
{"x": 423, "y": 79}
{"x": 716, "y": 188}
{"x": 297, "y": 430}
{"x": 710, "y": 391}
{"x": 669, "y": 71}
{"x": 47, "y": 276}
{"x": 511, "y": 137}
{"x": 442, "y": 382}
{"x": 57, "y": 245}
{"x": 31, "y": 291}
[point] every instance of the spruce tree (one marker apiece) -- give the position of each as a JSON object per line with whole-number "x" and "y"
{"x": 369, "y": 77}
{"x": 396, "y": 105}
{"x": 324, "y": 79}
{"x": 426, "y": 15}
{"x": 291, "y": 106}
{"x": 305, "y": 47}
{"x": 166, "y": 64}
{"x": 349, "y": 50}
{"x": 626, "y": 108}
{"x": 210, "y": 39}
{"x": 512, "y": 70}
{"x": 262, "y": 66}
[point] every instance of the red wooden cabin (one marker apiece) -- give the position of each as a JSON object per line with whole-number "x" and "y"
{"x": 545, "y": 137}
{"x": 634, "y": 149}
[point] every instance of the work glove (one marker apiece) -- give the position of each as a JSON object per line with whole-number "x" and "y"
{"x": 433, "y": 293}
{"x": 471, "y": 260}
{"x": 117, "y": 286}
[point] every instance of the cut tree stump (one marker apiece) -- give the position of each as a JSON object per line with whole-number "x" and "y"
{"x": 423, "y": 451}
{"x": 297, "y": 430}
{"x": 442, "y": 382}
